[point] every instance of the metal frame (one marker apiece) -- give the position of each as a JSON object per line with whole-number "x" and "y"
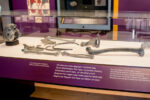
{"x": 106, "y": 27}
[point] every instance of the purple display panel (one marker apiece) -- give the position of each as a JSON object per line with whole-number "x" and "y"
{"x": 125, "y": 78}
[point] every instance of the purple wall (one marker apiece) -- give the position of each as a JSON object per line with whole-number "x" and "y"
{"x": 124, "y": 5}
{"x": 52, "y": 5}
{"x": 22, "y": 4}
{"x": 19, "y": 4}
{"x": 134, "y": 5}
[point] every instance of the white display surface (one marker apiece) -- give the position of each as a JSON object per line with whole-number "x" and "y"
{"x": 111, "y": 58}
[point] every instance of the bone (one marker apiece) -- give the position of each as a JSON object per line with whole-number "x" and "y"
{"x": 60, "y": 48}
{"x": 49, "y": 48}
{"x": 61, "y": 39}
{"x": 93, "y": 42}
{"x": 66, "y": 43}
{"x": 38, "y": 52}
{"x": 47, "y": 41}
{"x": 32, "y": 48}
{"x": 139, "y": 51}
{"x": 77, "y": 55}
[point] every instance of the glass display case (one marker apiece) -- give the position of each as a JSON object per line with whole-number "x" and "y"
{"x": 33, "y": 50}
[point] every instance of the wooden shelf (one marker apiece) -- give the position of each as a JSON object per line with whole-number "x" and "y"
{"x": 92, "y": 91}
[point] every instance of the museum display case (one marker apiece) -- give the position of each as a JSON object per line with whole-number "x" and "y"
{"x": 34, "y": 50}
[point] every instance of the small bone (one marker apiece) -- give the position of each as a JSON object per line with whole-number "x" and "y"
{"x": 139, "y": 51}
{"x": 94, "y": 42}
{"x": 32, "y": 48}
{"x": 47, "y": 41}
{"x": 77, "y": 55}
{"x": 28, "y": 47}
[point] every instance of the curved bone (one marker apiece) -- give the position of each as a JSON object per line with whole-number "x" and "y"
{"x": 139, "y": 51}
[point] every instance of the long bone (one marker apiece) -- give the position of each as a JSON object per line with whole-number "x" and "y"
{"x": 139, "y": 51}
{"x": 61, "y": 39}
{"x": 66, "y": 43}
{"x": 38, "y": 52}
{"x": 60, "y": 49}
{"x": 77, "y": 55}
{"x": 49, "y": 48}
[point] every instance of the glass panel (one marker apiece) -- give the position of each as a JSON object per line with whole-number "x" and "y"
{"x": 130, "y": 30}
